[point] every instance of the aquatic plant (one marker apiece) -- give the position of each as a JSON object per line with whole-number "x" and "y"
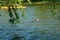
{"x": 53, "y": 8}
{"x": 11, "y": 12}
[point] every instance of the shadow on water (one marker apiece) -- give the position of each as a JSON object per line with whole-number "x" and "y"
{"x": 17, "y": 37}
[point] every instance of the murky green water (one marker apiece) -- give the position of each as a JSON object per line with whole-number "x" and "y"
{"x": 38, "y": 23}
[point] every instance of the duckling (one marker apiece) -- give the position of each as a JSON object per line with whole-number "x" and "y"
{"x": 35, "y": 20}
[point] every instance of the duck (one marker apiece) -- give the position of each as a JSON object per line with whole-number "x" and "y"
{"x": 34, "y": 20}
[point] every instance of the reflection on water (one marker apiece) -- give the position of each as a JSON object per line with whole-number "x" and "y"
{"x": 38, "y": 23}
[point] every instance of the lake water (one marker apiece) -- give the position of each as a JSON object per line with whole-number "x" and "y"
{"x": 38, "y": 23}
